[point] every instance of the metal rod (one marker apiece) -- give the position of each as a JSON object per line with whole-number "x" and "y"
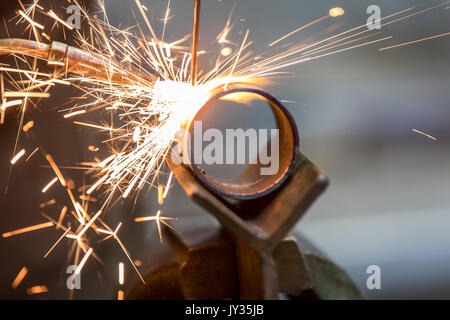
{"x": 195, "y": 33}
{"x": 78, "y": 61}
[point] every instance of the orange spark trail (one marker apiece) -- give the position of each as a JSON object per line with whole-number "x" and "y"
{"x": 37, "y": 289}
{"x": 56, "y": 169}
{"x": 18, "y": 156}
{"x": 425, "y": 134}
{"x": 25, "y": 71}
{"x": 92, "y": 126}
{"x": 61, "y": 217}
{"x": 21, "y": 94}
{"x": 166, "y": 190}
{"x": 141, "y": 8}
{"x": 125, "y": 251}
{"x": 89, "y": 224}
{"x": 33, "y": 23}
{"x": 299, "y": 29}
{"x": 54, "y": 16}
{"x": 95, "y": 185}
{"x": 20, "y": 276}
{"x": 121, "y": 273}
{"x": 28, "y": 126}
{"x": 56, "y": 243}
{"x": 239, "y": 52}
{"x": 51, "y": 183}
{"x": 74, "y": 113}
{"x": 48, "y": 203}
{"x": 160, "y": 194}
{"x": 31, "y": 154}
{"x": 415, "y": 41}
{"x": 27, "y": 229}
{"x": 83, "y": 261}
{"x": 158, "y": 220}
{"x": 10, "y": 103}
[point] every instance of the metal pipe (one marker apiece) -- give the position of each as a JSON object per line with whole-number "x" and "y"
{"x": 251, "y": 184}
{"x": 74, "y": 60}
{"x": 25, "y": 47}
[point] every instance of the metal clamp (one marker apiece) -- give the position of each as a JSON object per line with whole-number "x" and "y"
{"x": 258, "y": 224}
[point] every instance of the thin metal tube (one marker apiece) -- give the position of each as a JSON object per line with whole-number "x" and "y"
{"x": 26, "y": 47}
{"x": 74, "y": 60}
{"x": 195, "y": 36}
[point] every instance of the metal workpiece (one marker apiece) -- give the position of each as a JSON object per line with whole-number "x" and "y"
{"x": 256, "y": 227}
{"x": 67, "y": 59}
{"x": 257, "y": 212}
{"x": 199, "y": 261}
{"x": 251, "y": 184}
{"x": 24, "y": 47}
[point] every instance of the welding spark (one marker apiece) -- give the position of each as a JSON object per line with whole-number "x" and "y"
{"x": 56, "y": 169}
{"x": 83, "y": 261}
{"x": 75, "y": 113}
{"x": 333, "y": 13}
{"x": 17, "y": 156}
{"x": 13, "y": 103}
{"x": 121, "y": 273}
{"x": 49, "y": 185}
{"x": 27, "y": 229}
{"x": 47, "y": 203}
{"x": 56, "y": 243}
{"x": 425, "y": 134}
{"x": 158, "y": 220}
{"x": 415, "y": 41}
{"x": 28, "y": 126}
{"x": 20, "y": 276}
{"x": 37, "y": 290}
{"x": 31, "y": 154}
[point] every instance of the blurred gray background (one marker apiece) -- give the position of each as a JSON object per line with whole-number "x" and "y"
{"x": 388, "y": 202}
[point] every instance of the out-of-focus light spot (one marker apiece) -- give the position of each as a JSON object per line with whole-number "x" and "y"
{"x": 226, "y": 51}
{"x": 336, "y": 12}
{"x": 37, "y": 289}
{"x": 28, "y": 126}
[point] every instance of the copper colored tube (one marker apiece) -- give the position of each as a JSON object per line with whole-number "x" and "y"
{"x": 74, "y": 60}
{"x": 195, "y": 35}
{"x": 25, "y": 47}
{"x": 251, "y": 184}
